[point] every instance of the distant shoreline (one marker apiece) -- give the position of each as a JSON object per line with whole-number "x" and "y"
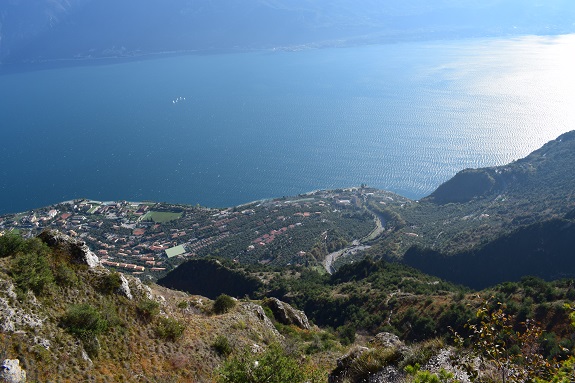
{"x": 375, "y": 39}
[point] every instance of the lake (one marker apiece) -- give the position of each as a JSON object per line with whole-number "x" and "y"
{"x": 221, "y": 130}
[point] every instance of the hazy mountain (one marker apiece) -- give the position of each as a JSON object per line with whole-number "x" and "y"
{"x": 67, "y": 29}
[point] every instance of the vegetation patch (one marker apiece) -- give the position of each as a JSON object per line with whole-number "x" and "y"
{"x": 223, "y": 304}
{"x": 272, "y": 366}
{"x": 170, "y": 329}
{"x": 161, "y": 216}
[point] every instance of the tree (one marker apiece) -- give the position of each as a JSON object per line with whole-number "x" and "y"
{"x": 9, "y": 244}
{"x": 513, "y": 356}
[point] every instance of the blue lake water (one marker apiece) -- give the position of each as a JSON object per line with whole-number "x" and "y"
{"x": 226, "y": 129}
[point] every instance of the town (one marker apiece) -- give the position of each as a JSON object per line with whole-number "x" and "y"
{"x": 152, "y": 238}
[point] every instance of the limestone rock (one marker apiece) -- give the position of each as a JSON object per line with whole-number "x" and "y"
{"x": 11, "y": 372}
{"x": 286, "y": 314}
{"x": 78, "y": 249}
{"x": 12, "y": 316}
{"x": 139, "y": 289}
{"x": 258, "y": 312}
{"x": 387, "y": 340}
{"x": 389, "y": 374}
{"x": 443, "y": 361}
{"x": 125, "y": 288}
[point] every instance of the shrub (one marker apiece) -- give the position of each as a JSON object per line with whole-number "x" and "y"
{"x": 419, "y": 376}
{"x": 65, "y": 276}
{"x": 514, "y": 356}
{"x": 84, "y": 320}
{"x": 223, "y": 304}
{"x": 272, "y": 366}
{"x": 346, "y": 334}
{"x": 31, "y": 271}
{"x": 148, "y": 308}
{"x": 10, "y": 244}
{"x": 110, "y": 283}
{"x": 222, "y": 346}
{"x": 170, "y": 329}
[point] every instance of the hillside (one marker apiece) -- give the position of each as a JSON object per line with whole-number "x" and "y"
{"x": 518, "y": 215}
{"x": 67, "y": 319}
{"x": 72, "y": 30}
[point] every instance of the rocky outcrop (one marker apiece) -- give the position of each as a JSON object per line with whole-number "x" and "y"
{"x": 139, "y": 289}
{"x": 258, "y": 312}
{"x": 443, "y": 361}
{"x": 361, "y": 363}
{"x": 11, "y": 372}
{"x": 125, "y": 288}
{"x": 13, "y": 317}
{"x": 286, "y": 314}
{"x": 387, "y": 340}
{"x": 78, "y": 250}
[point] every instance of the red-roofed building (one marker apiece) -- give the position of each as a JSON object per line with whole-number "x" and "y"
{"x": 139, "y": 232}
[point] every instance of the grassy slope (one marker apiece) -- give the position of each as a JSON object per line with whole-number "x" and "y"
{"x": 130, "y": 349}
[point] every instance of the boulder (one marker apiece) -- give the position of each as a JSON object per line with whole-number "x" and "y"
{"x": 286, "y": 314}
{"x": 77, "y": 249}
{"x": 387, "y": 340}
{"x": 11, "y": 372}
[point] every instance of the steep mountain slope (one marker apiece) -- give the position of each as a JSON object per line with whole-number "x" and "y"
{"x": 490, "y": 219}
{"x": 544, "y": 171}
{"x": 68, "y": 322}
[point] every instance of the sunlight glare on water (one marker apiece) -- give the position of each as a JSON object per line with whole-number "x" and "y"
{"x": 222, "y": 130}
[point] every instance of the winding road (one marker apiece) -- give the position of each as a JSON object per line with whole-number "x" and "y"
{"x": 356, "y": 245}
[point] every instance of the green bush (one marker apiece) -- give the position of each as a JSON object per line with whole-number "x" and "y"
{"x": 170, "y": 329}
{"x": 10, "y": 244}
{"x": 272, "y": 366}
{"x": 148, "y": 308}
{"x": 346, "y": 334}
{"x": 223, "y": 304}
{"x": 84, "y": 320}
{"x": 222, "y": 346}
{"x": 65, "y": 276}
{"x": 110, "y": 283}
{"x": 86, "y": 323}
{"x": 31, "y": 271}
